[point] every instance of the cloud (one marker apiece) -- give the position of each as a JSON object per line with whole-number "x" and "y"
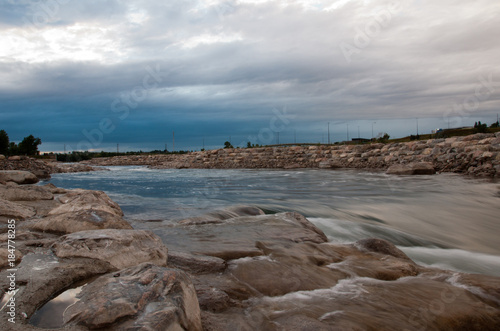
{"x": 224, "y": 65}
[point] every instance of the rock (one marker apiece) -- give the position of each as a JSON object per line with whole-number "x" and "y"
{"x": 14, "y": 210}
{"x": 420, "y": 168}
{"x": 218, "y": 216}
{"x": 121, "y": 248}
{"x": 55, "y": 190}
{"x": 2, "y": 157}
{"x": 381, "y": 246}
{"x": 497, "y": 134}
{"x": 5, "y": 257}
{"x": 19, "y": 177}
{"x": 14, "y": 158}
{"x": 145, "y": 297}
{"x": 195, "y": 264}
{"x": 78, "y": 200}
{"x": 234, "y": 238}
{"x": 81, "y": 220}
{"x": 25, "y": 193}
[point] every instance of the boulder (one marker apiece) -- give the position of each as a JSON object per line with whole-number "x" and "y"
{"x": 144, "y": 297}
{"x": 381, "y": 246}
{"x": 19, "y": 177}
{"x": 78, "y": 200}
{"x": 2, "y": 157}
{"x": 15, "y": 158}
{"x": 418, "y": 168}
{"x": 81, "y": 220}
{"x": 54, "y": 189}
{"x": 25, "y": 193}
{"x": 121, "y": 248}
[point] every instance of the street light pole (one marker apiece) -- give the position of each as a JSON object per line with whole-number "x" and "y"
{"x": 328, "y": 133}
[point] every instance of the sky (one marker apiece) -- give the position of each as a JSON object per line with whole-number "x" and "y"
{"x": 150, "y": 74}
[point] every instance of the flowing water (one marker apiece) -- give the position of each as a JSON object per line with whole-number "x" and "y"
{"x": 446, "y": 220}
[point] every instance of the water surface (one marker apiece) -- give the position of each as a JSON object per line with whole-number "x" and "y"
{"x": 444, "y": 220}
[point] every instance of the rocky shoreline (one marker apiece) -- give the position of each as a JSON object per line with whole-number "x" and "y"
{"x": 40, "y": 168}
{"x": 476, "y": 155}
{"x": 233, "y": 269}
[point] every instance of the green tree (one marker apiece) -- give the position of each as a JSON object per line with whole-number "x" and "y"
{"x": 4, "y": 142}
{"x": 479, "y": 127}
{"x": 495, "y": 125}
{"x": 13, "y": 149}
{"x": 29, "y": 145}
{"x": 227, "y": 144}
{"x": 383, "y": 138}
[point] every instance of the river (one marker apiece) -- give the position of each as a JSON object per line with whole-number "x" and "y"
{"x": 447, "y": 220}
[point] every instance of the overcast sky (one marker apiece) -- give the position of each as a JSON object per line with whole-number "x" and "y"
{"x": 91, "y": 74}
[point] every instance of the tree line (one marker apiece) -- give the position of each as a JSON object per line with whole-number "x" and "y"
{"x": 28, "y": 146}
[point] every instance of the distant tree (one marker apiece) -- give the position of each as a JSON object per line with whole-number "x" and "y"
{"x": 479, "y": 127}
{"x": 495, "y": 125}
{"x": 13, "y": 149}
{"x": 383, "y": 137}
{"x": 29, "y": 145}
{"x": 4, "y": 142}
{"x": 249, "y": 145}
{"x": 227, "y": 144}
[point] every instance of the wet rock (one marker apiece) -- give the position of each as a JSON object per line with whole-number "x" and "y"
{"x": 121, "y": 248}
{"x": 218, "y": 216}
{"x": 41, "y": 276}
{"x": 25, "y": 193}
{"x": 381, "y": 246}
{"x": 145, "y": 297}
{"x": 19, "y": 177}
{"x": 234, "y": 238}
{"x": 420, "y": 168}
{"x": 81, "y": 220}
{"x": 78, "y": 200}
{"x": 195, "y": 264}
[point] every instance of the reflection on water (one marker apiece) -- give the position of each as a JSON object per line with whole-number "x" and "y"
{"x": 50, "y": 316}
{"x": 442, "y": 211}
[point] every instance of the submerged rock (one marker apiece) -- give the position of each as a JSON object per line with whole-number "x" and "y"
{"x": 145, "y": 297}
{"x": 121, "y": 248}
{"x": 420, "y": 168}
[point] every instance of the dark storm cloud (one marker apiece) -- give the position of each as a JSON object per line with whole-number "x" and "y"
{"x": 221, "y": 67}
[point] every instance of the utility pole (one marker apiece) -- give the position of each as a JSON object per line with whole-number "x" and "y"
{"x": 173, "y": 141}
{"x": 328, "y": 133}
{"x": 347, "y": 131}
{"x": 372, "y": 129}
{"x": 417, "y": 126}
{"x": 64, "y": 148}
{"x": 295, "y": 136}
{"x": 203, "y": 143}
{"x": 117, "y": 148}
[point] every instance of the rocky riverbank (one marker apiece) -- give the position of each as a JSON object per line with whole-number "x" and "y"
{"x": 40, "y": 168}
{"x": 477, "y": 155}
{"x": 233, "y": 269}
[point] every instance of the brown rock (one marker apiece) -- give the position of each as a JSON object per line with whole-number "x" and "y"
{"x": 145, "y": 297}
{"x": 78, "y": 200}
{"x": 19, "y": 177}
{"x": 25, "y": 193}
{"x": 81, "y": 220}
{"x": 14, "y": 210}
{"x": 420, "y": 168}
{"x": 121, "y": 248}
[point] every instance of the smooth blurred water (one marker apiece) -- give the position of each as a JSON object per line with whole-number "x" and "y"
{"x": 443, "y": 220}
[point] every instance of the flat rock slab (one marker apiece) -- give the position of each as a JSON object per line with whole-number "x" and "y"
{"x": 14, "y": 210}
{"x": 82, "y": 220}
{"x": 78, "y": 200}
{"x": 145, "y": 297}
{"x": 121, "y": 248}
{"x": 236, "y": 237}
{"x": 17, "y": 176}
{"x": 418, "y": 168}
{"x": 25, "y": 193}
